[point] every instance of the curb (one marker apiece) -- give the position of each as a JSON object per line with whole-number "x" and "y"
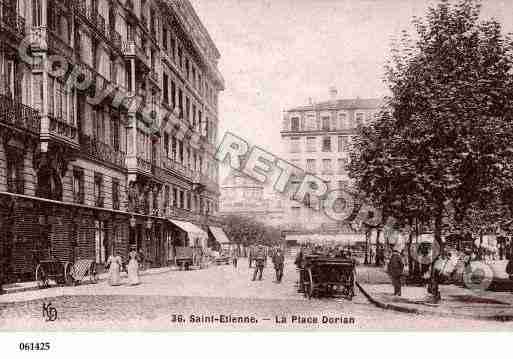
{"x": 402, "y": 309}
{"x": 35, "y": 287}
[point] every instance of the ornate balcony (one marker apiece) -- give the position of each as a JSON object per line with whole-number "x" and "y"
{"x": 92, "y": 16}
{"x": 143, "y": 165}
{"x": 44, "y": 39}
{"x": 115, "y": 38}
{"x": 132, "y": 50}
{"x": 19, "y": 115}
{"x": 10, "y": 20}
{"x": 61, "y": 128}
{"x": 175, "y": 166}
{"x": 101, "y": 151}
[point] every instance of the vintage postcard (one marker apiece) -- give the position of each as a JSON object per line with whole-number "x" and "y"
{"x": 267, "y": 165}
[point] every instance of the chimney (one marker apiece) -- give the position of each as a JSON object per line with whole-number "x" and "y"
{"x": 333, "y": 93}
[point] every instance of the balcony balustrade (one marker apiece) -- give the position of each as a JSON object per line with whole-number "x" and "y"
{"x": 115, "y": 38}
{"x": 78, "y": 197}
{"x": 102, "y": 151}
{"x": 94, "y": 18}
{"x": 144, "y": 165}
{"x": 175, "y": 166}
{"x": 132, "y": 49}
{"x": 19, "y": 115}
{"x": 10, "y": 20}
{"x": 61, "y": 128}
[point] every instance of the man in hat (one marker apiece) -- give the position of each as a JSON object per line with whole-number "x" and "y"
{"x": 395, "y": 270}
{"x": 279, "y": 262}
{"x": 259, "y": 263}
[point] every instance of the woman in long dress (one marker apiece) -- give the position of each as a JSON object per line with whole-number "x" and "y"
{"x": 114, "y": 263}
{"x": 133, "y": 268}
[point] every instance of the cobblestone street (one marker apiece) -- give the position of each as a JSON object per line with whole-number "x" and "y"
{"x": 168, "y": 300}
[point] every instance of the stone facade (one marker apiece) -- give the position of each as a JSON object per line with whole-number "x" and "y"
{"x": 108, "y": 128}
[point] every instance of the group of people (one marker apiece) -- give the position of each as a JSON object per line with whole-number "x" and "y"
{"x": 278, "y": 260}
{"x": 115, "y": 266}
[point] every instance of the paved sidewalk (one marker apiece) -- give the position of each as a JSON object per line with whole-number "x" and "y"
{"x": 456, "y": 301}
{"x": 28, "y": 286}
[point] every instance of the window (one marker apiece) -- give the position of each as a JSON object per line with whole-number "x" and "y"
{"x": 175, "y": 197}
{"x": 36, "y": 13}
{"x": 164, "y": 38}
{"x": 166, "y": 197}
{"x": 182, "y": 199}
{"x": 343, "y": 144}
{"x": 115, "y": 133}
{"x": 295, "y": 145}
{"x": 310, "y": 144}
{"x": 187, "y": 108}
{"x": 166, "y": 143}
{"x": 180, "y": 151}
{"x": 342, "y": 165}
{"x": 325, "y": 123}
{"x": 294, "y": 124}
{"x": 344, "y": 124}
{"x": 326, "y": 166}
{"x": 15, "y": 181}
{"x": 115, "y": 194}
{"x": 173, "y": 148}
{"x": 180, "y": 101}
{"x": 360, "y": 119}
{"x": 173, "y": 94}
{"x": 312, "y": 125}
{"x": 98, "y": 190}
{"x": 326, "y": 144}
{"x": 165, "y": 82}
{"x": 310, "y": 166}
{"x": 78, "y": 185}
{"x": 189, "y": 201}
{"x": 194, "y": 115}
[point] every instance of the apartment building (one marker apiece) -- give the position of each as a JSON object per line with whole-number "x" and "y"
{"x": 108, "y": 125}
{"x": 317, "y": 138}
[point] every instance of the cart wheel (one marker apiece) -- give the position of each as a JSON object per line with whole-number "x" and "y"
{"x": 41, "y": 277}
{"x": 68, "y": 274}
{"x": 309, "y": 285}
{"x": 93, "y": 276}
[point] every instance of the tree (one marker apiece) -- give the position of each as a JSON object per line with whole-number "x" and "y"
{"x": 246, "y": 231}
{"x": 440, "y": 148}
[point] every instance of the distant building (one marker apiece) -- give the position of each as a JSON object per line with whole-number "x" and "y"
{"x": 244, "y": 196}
{"x": 317, "y": 138}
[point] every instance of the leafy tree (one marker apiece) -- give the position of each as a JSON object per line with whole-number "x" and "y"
{"x": 440, "y": 149}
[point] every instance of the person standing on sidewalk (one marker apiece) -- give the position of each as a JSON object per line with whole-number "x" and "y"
{"x": 259, "y": 263}
{"x": 279, "y": 263}
{"x": 395, "y": 270}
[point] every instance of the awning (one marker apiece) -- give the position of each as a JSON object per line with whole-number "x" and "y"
{"x": 192, "y": 230}
{"x": 219, "y": 235}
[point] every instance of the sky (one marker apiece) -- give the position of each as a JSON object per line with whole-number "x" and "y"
{"x": 276, "y": 54}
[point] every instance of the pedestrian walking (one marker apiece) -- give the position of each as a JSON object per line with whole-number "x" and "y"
{"x": 395, "y": 270}
{"x": 133, "y": 268}
{"x": 114, "y": 264}
{"x": 234, "y": 261}
{"x": 279, "y": 263}
{"x": 259, "y": 264}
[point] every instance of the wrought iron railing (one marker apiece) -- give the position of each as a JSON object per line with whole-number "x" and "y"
{"x": 19, "y": 115}
{"x": 144, "y": 165}
{"x": 102, "y": 151}
{"x": 62, "y": 128}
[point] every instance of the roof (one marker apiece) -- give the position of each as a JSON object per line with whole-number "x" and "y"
{"x": 342, "y": 104}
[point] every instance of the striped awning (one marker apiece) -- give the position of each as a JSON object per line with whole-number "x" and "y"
{"x": 219, "y": 234}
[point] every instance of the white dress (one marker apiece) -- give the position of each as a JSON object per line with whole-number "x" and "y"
{"x": 114, "y": 263}
{"x": 133, "y": 269}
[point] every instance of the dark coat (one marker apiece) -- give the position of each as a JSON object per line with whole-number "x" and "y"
{"x": 278, "y": 259}
{"x": 396, "y": 265}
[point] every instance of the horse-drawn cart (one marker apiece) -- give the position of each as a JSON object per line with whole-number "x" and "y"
{"x": 326, "y": 276}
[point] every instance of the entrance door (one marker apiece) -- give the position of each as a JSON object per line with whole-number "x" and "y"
{"x": 100, "y": 240}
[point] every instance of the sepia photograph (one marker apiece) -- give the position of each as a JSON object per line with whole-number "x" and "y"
{"x": 255, "y": 165}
